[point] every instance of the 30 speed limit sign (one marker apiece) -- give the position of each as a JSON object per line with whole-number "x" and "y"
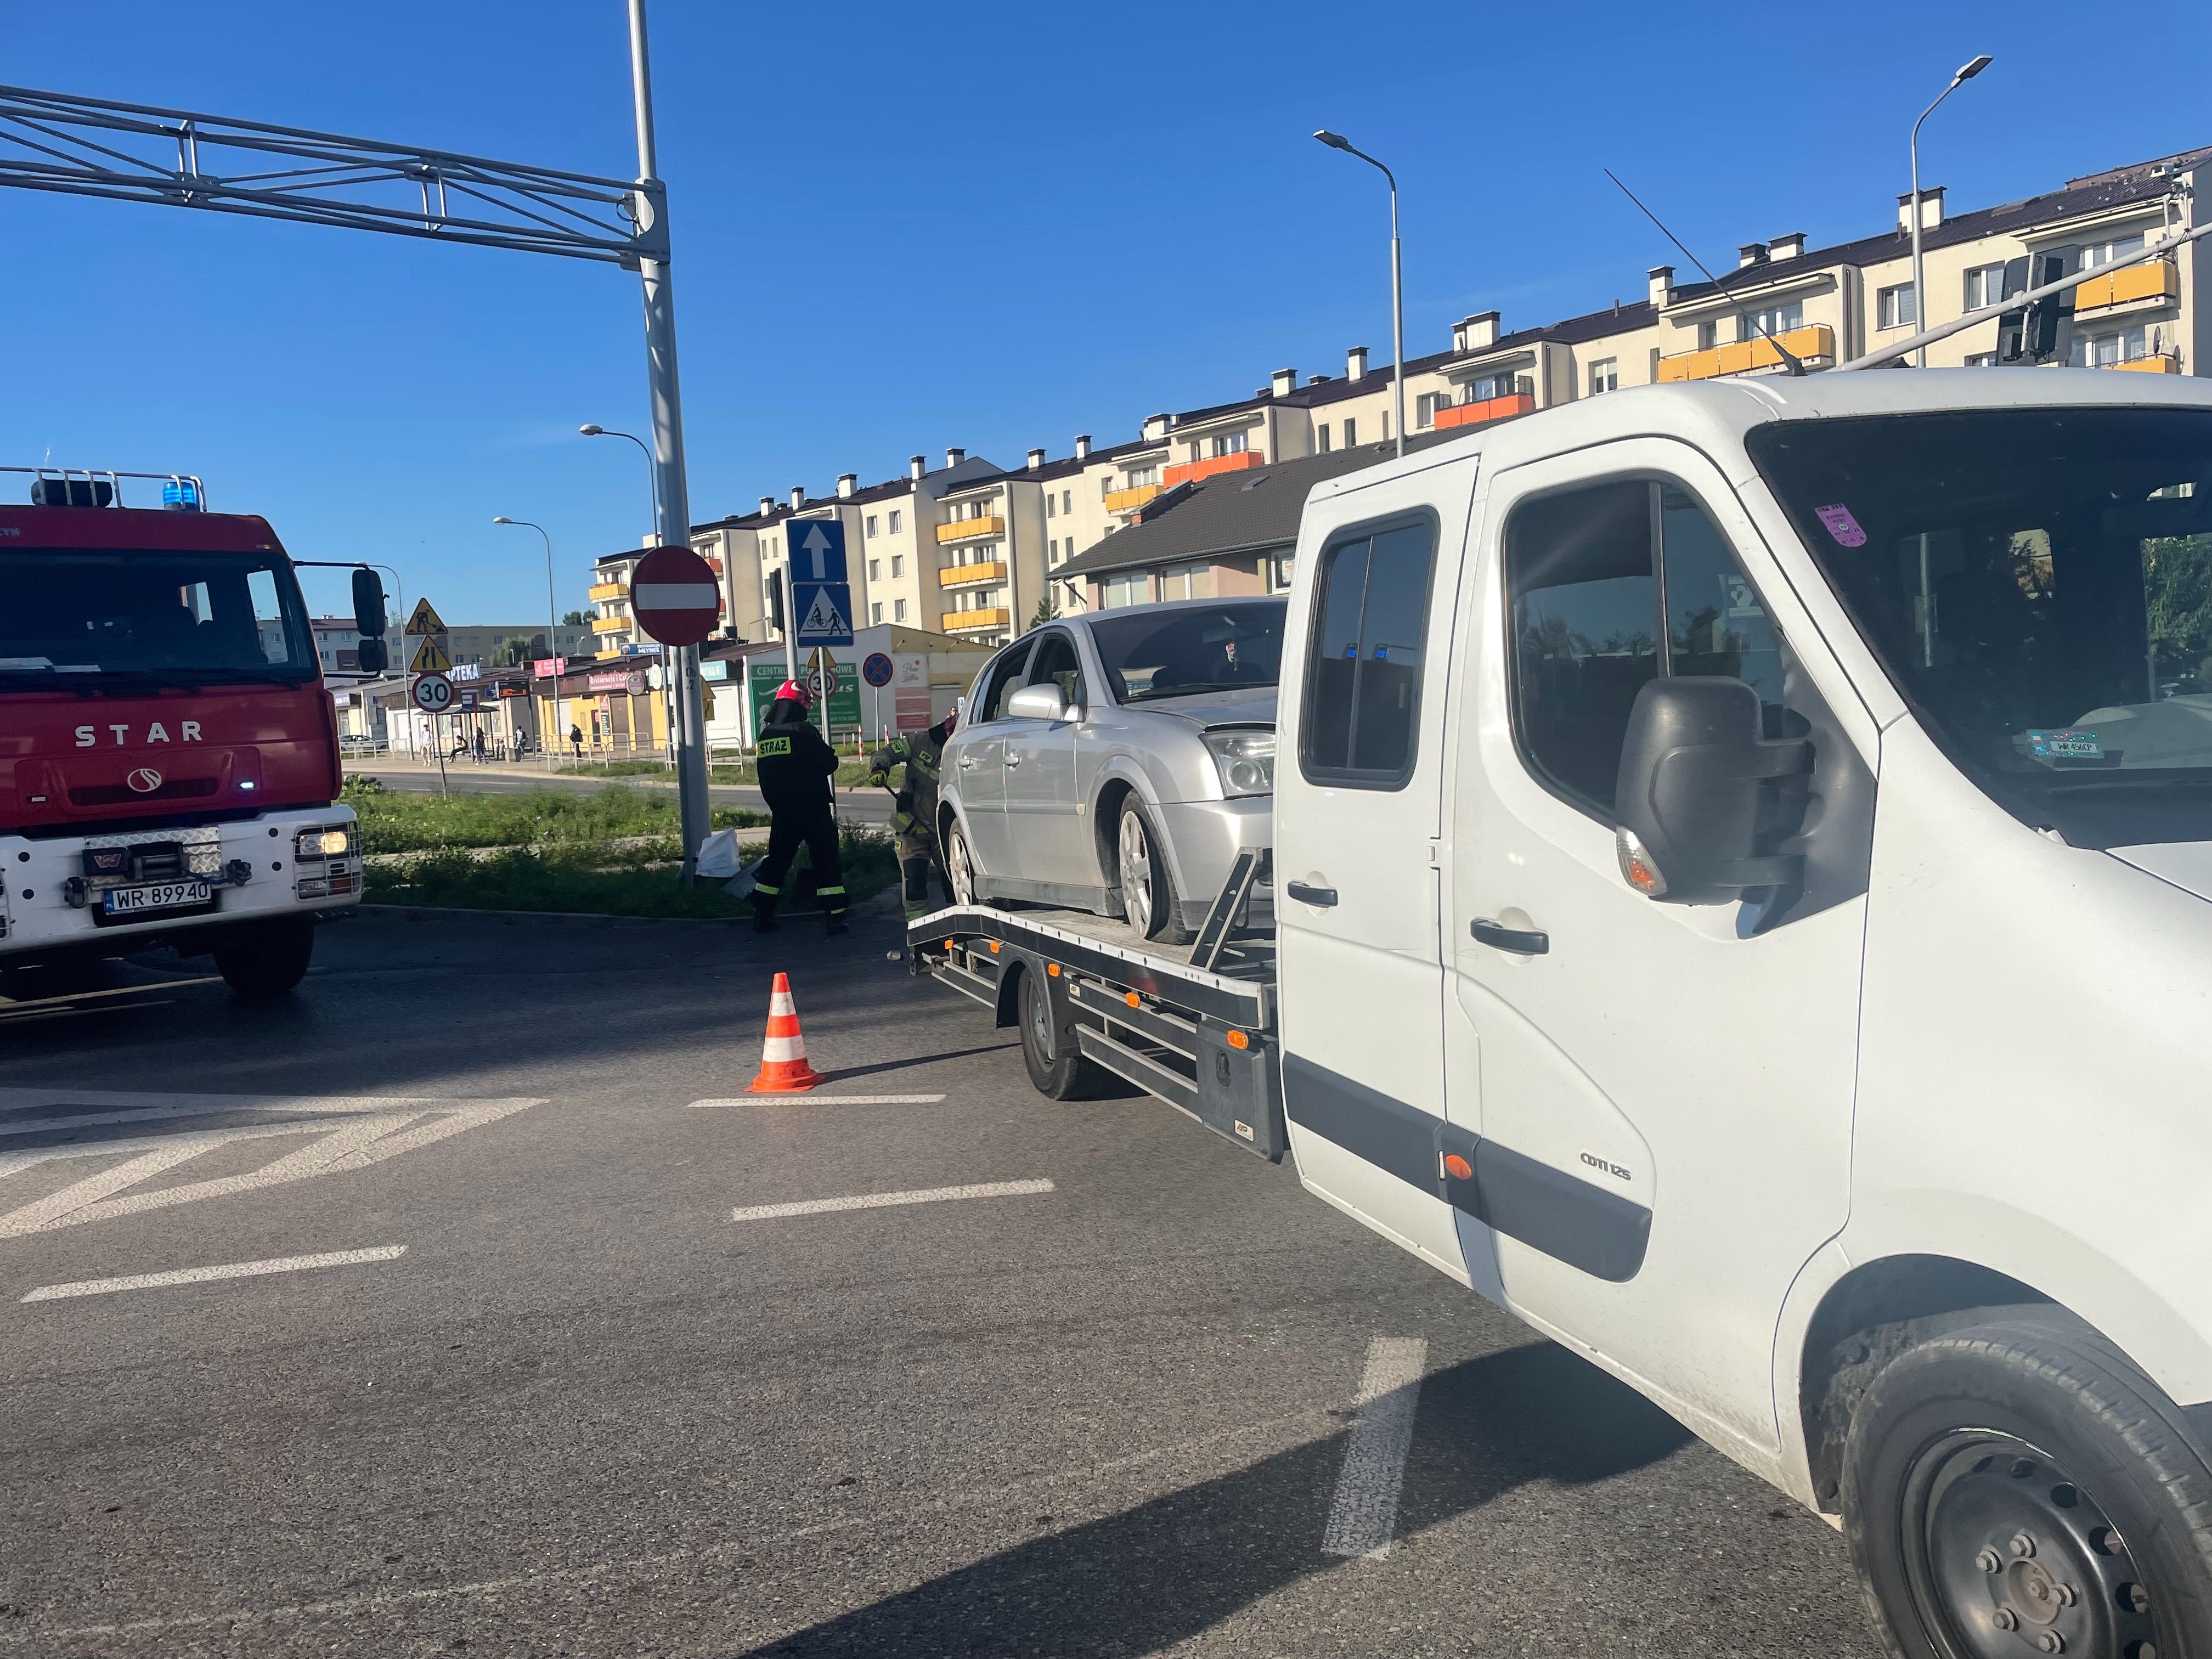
{"x": 433, "y": 693}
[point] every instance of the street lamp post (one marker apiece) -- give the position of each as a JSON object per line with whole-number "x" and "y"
{"x": 552, "y": 625}
{"x": 592, "y": 429}
{"x": 1966, "y": 73}
{"x": 1337, "y": 141}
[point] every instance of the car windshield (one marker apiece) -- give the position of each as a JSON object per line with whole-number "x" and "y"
{"x": 1156, "y": 653}
{"x": 70, "y": 617}
{"x": 2038, "y": 583}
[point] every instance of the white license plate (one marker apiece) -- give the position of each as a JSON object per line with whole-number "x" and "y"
{"x": 153, "y": 895}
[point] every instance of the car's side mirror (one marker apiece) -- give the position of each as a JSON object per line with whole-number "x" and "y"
{"x": 1694, "y": 770}
{"x": 369, "y": 619}
{"x": 1037, "y": 702}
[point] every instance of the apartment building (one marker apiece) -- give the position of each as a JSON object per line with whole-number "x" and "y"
{"x": 991, "y": 544}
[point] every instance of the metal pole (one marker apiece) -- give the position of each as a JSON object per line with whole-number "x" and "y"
{"x": 1397, "y": 320}
{"x": 790, "y": 622}
{"x": 1966, "y": 72}
{"x": 674, "y": 511}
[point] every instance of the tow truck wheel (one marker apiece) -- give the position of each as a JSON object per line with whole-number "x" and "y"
{"x": 1057, "y": 1066}
{"x": 269, "y": 961}
{"x": 2017, "y": 1487}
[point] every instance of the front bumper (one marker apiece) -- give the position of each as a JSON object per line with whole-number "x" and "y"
{"x": 1203, "y": 840}
{"x": 51, "y": 904}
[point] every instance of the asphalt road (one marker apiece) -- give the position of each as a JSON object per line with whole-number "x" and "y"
{"x": 561, "y": 1402}
{"x": 867, "y": 805}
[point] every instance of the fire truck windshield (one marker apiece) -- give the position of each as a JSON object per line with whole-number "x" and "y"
{"x": 69, "y": 616}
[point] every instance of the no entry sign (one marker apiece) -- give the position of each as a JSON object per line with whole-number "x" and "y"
{"x": 675, "y": 597}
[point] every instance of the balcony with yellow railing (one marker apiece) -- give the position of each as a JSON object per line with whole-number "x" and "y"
{"x": 971, "y": 530}
{"x": 608, "y": 591}
{"x": 1813, "y": 346}
{"x": 610, "y": 624}
{"x": 1129, "y": 500}
{"x": 964, "y": 621}
{"x": 2159, "y": 363}
{"x": 2156, "y": 279}
{"x": 961, "y": 575}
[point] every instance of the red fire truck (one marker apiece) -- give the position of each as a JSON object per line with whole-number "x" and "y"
{"x": 168, "y": 755}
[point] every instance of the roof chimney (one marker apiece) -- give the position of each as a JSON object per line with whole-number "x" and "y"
{"x": 1156, "y": 427}
{"x": 1083, "y": 446}
{"x": 1931, "y": 210}
{"x": 1662, "y": 278}
{"x": 1751, "y": 253}
{"x": 1791, "y": 246}
{"x": 798, "y": 496}
{"x": 847, "y": 482}
{"x": 954, "y": 457}
{"x": 1036, "y": 459}
{"x": 1478, "y": 333}
{"x": 1355, "y": 363}
{"x": 915, "y": 466}
{"x": 1284, "y": 382}
{"x": 768, "y": 506}
{"x": 1317, "y": 380}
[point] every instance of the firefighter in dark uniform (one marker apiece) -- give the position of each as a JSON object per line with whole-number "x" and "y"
{"x": 796, "y": 764}
{"x": 913, "y": 817}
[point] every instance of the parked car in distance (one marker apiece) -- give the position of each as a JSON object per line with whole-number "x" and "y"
{"x": 1117, "y": 762}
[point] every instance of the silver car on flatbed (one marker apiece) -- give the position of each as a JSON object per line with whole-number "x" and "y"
{"x": 1118, "y": 762}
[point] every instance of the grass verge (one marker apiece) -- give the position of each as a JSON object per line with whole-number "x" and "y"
{"x": 393, "y": 821}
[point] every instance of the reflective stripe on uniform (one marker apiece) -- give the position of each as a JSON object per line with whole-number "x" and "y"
{"x": 838, "y": 890}
{"x": 763, "y": 887}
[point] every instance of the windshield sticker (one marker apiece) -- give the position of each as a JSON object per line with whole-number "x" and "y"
{"x": 2065, "y": 745}
{"x": 1844, "y": 527}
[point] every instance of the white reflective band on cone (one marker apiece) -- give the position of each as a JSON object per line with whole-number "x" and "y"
{"x": 790, "y": 1048}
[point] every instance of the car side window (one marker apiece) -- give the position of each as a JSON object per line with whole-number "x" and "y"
{"x": 1363, "y": 680}
{"x": 1003, "y": 680}
{"x": 1056, "y": 664}
{"x": 1589, "y": 576}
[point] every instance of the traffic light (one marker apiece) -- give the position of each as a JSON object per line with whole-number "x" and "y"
{"x": 2042, "y": 332}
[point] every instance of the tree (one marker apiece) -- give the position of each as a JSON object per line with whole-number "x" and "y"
{"x": 1046, "y": 611}
{"x": 2177, "y": 592}
{"x": 516, "y": 649}
{"x": 574, "y": 619}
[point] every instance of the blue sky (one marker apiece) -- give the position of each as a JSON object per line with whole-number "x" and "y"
{"x": 901, "y": 228}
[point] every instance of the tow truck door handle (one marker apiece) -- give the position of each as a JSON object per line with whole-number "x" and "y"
{"x": 1320, "y": 897}
{"x": 1521, "y": 942}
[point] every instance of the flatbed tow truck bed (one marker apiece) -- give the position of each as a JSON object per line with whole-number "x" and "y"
{"x": 1194, "y": 1025}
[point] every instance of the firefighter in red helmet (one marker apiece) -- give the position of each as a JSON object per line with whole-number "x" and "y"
{"x": 796, "y": 764}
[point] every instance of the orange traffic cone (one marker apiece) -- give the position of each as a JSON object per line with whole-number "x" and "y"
{"x": 784, "y": 1070}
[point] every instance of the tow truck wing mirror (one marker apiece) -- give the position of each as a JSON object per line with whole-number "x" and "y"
{"x": 369, "y": 619}
{"x": 1694, "y": 772}
{"x": 1037, "y": 702}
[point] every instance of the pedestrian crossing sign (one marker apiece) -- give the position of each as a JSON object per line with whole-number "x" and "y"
{"x": 823, "y": 623}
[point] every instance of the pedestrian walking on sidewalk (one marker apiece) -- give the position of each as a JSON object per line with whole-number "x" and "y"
{"x": 576, "y": 740}
{"x": 796, "y": 764}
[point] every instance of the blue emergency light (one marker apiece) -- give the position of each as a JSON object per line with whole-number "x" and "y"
{"x": 181, "y": 493}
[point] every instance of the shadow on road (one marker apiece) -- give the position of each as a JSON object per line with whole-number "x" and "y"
{"x": 1142, "y": 1581}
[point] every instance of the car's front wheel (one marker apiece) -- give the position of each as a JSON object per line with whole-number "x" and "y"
{"x": 959, "y": 865}
{"x": 1149, "y": 902}
{"x": 2016, "y": 1488}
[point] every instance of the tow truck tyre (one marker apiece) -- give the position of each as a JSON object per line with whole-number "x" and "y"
{"x": 1057, "y": 1066}
{"x": 1148, "y": 895}
{"x": 2017, "y": 1487}
{"x": 269, "y": 961}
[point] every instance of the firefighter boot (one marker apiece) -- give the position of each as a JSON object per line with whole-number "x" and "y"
{"x": 916, "y": 873}
{"x": 764, "y": 916}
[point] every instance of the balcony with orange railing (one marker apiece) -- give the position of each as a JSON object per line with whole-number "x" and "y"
{"x": 1129, "y": 500}
{"x": 971, "y": 530}
{"x": 1212, "y": 467}
{"x": 963, "y": 575}
{"x": 1813, "y": 346}
{"x": 1486, "y": 408}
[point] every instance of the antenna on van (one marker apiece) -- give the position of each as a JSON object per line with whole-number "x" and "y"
{"x": 1719, "y": 286}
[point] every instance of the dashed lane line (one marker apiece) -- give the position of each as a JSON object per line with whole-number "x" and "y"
{"x": 286, "y": 1264}
{"x": 880, "y": 1201}
{"x": 824, "y": 1100}
{"x": 1362, "y": 1516}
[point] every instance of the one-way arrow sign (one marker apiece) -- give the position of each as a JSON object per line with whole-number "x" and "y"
{"x": 820, "y": 597}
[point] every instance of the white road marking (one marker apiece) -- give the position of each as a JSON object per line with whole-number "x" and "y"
{"x": 287, "y": 1264}
{"x": 368, "y": 1129}
{"x": 824, "y": 1100}
{"x": 880, "y": 1201}
{"x": 1363, "y": 1517}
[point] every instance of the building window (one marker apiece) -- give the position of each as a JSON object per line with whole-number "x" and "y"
{"x": 1323, "y": 430}
{"x": 2102, "y": 351}
{"x": 1426, "y": 407}
{"x": 1708, "y": 335}
{"x": 872, "y": 524}
{"x": 895, "y": 521}
{"x": 898, "y": 564}
{"x": 1776, "y": 319}
{"x": 1983, "y": 360}
{"x": 2104, "y": 253}
{"x": 1186, "y": 581}
{"x": 1280, "y": 572}
{"x": 898, "y": 610}
{"x": 1893, "y": 306}
{"x": 1231, "y": 443}
{"x": 1605, "y": 376}
{"x": 1052, "y": 551}
{"x": 1126, "y": 587}
{"x": 1985, "y": 286}
{"x": 875, "y": 613}
{"x": 1485, "y": 387}
{"x": 1350, "y": 433}
{"x": 875, "y": 570}
{"x": 1051, "y": 505}
{"x": 1068, "y": 501}
{"x": 1136, "y": 479}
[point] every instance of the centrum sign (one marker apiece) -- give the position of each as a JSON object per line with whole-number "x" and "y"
{"x": 765, "y": 674}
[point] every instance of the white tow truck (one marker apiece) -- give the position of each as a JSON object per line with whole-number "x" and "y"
{"x": 1741, "y": 900}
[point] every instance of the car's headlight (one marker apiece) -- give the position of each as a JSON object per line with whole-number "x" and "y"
{"x": 325, "y": 843}
{"x": 1246, "y": 761}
